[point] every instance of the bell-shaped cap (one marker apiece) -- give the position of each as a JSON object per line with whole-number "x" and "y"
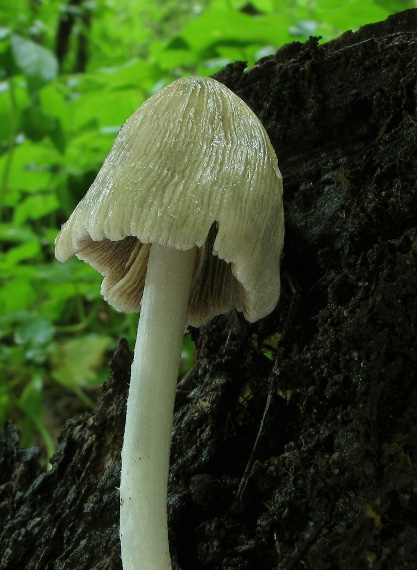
{"x": 193, "y": 166}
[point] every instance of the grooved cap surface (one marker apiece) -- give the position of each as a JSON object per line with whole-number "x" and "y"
{"x": 193, "y": 166}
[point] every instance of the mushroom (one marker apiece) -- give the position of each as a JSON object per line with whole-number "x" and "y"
{"x": 185, "y": 222}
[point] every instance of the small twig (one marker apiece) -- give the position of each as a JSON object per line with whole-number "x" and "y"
{"x": 287, "y": 325}
{"x": 245, "y": 478}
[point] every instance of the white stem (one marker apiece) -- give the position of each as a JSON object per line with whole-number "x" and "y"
{"x": 145, "y": 454}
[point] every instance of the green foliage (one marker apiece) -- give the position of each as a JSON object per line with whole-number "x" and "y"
{"x": 63, "y": 99}
{"x": 37, "y": 64}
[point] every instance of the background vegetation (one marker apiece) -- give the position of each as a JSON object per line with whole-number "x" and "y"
{"x": 70, "y": 75}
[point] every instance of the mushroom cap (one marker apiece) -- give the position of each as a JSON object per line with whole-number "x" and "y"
{"x": 193, "y": 166}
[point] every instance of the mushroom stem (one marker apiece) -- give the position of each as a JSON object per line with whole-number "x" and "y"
{"x": 150, "y": 405}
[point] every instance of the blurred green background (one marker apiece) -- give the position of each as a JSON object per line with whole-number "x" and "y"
{"x": 71, "y": 73}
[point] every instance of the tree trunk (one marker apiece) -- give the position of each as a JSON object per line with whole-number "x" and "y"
{"x": 74, "y": 11}
{"x": 308, "y": 460}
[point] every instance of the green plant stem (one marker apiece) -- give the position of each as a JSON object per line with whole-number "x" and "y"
{"x": 12, "y": 143}
{"x": 84, "y": 322}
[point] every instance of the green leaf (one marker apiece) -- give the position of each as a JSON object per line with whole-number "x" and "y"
{"x": 35, "y": 332}
{"x": 396, "y": 5}
{"x": 86, "y": 152}
{"x": 231, "y": 5}
{"x": 10, "y": 108}
{"x": 108, "y": 108}
{"x": 350, "y": 14}
{"x": 217, "y": 27}
{"x": 37, "y": 124}
{"x": 74, "y": 188}
{"x": 187, "y": 354}
{"x": 16, "y": 294}
{"x": 134, "y": 74}
{"x": 15, "y": 255}
{"x": 34, "y": 336}
{"x": 7, "y": 63}
{"x": 30, "y": 399}
{"x": 5, "y": 403}
{"x": 76, "y": 361}
{"x": 30, "y": 402}
{"x": 38, "y": 64}
{"x": 32, "y": 169}
{"x": 172, "y": 57}
{"x": 266, "y": 6}
{"x": 35, "y": 207}
{"x": 4, "y": 33}
{"x": 10, "y": 233}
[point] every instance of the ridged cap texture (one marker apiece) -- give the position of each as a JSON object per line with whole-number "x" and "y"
{"x": 193, "y": 166}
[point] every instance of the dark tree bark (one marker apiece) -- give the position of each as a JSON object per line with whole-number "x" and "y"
{"x": 309, "y": 460}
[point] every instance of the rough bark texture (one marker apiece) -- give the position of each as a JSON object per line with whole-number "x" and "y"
{"x": 309, "y": 460}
